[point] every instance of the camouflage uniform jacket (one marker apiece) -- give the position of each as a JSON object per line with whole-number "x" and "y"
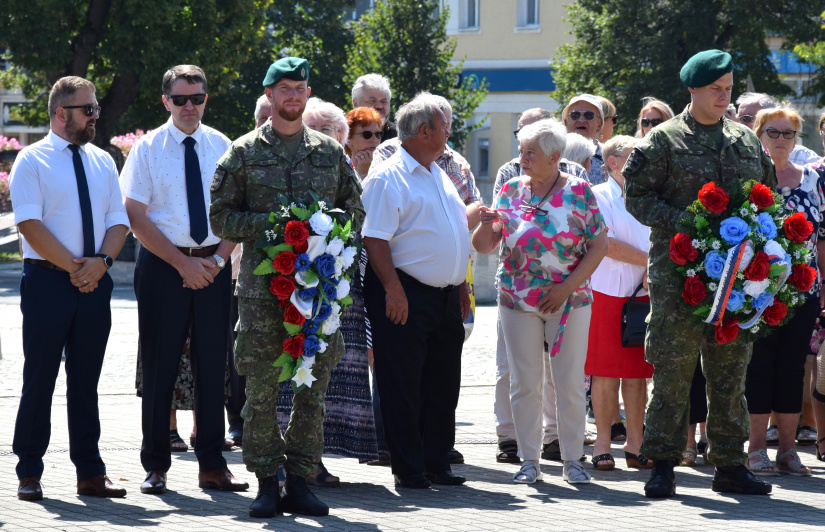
{"x": 255, "y": 171}
{"x": 666, "y": 170}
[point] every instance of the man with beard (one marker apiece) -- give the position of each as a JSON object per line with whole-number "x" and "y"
{"x": 282, "y": 158}
{"x": 69, "y": 211}
{"x": 181, "y": 285}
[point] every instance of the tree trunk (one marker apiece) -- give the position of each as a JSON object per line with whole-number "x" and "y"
{"x": 85, "y": 42}
{"x": 122, "y": 93}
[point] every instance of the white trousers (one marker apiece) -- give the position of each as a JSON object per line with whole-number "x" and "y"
{"x": 524, "y": 334}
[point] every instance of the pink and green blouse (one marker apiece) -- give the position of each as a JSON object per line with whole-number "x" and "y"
{"x": 538, "y": 249}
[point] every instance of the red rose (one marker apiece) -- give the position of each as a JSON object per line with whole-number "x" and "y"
{"x": 285, "y": 262}
{"x": 301, "y": 247}
{"x": 727, "y": 332}
{"x": 775, "y": 313}
{"x": 295, "y": 233}
{"x": 802, "y": 276}
{"x": 798, "y": 228}
{"x": 282, "y": 287}
{"x": 294, "y": 345}
{"x": 761, "y": 196}
{"x": 292, "y": 315}
{"x": 682, "y": 250}
{"x": 694, "y": 291}
{"x": 759, "y": 267}
{"x": 713, "y": 198}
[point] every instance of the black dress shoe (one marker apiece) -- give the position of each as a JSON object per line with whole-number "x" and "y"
{"x": 455, "y": 457}
{"x": 662, "y": 481}
{"x": 446, "y": 478}
{"x": 155, "y": 483}
{"x": 738, "y": 479}
{"x": 298, "y": 499}
{"x": 269, "y": 495}
{"x": 29, "y": 489}
{"x": 414, "y": 481}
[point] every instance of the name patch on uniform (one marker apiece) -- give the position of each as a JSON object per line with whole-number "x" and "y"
{"x": 217, "y": 180}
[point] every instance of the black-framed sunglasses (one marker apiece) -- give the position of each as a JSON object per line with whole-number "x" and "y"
{"x": 747, "y": 119}
{"x": 90, "y": 110}
{"x": 588, "y": 115}
{"x": 368, "y": 134}
{"x": 180, "y": 99}
{"x": 614, "y": 119}
{"x": 529, "y": 209}
{"x": 774, "y": 133}
{"x": 515, "y": 133}
{"x": 651, "y": 122}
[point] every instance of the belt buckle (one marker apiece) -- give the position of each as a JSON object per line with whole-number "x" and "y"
{"x": 190, "y": 252}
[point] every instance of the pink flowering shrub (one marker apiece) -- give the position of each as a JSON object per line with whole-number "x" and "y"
{"x": 7, "y": 143}
{"x": 125, "y": 142}
{"x": 5, "y": 197}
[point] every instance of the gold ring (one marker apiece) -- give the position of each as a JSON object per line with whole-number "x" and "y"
{"x": 85, "y": 281}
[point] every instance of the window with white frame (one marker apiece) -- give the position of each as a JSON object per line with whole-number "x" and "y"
{"x": 468, "y": 14}
{"x": 528, "y": 13}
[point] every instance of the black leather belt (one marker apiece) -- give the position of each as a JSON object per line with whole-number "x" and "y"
{"x": 409, "y": 278}
{"x": 44, "y": 264}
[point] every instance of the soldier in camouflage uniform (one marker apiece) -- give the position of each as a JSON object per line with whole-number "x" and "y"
{"x": 280, "y": 157}
{"x": 664, "y": 175}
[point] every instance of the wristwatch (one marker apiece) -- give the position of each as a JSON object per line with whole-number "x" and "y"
{"x": 107, "y": 260}
{"x": 219, "y": 261}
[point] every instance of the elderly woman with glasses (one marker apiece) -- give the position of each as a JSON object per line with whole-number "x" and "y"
{"x": 326, "y": 118}
{"x": 365, "y": 134}
{"x": 777, "y": 368}
{"x": 553, "y": 238}
{"x": 653, "y": 113}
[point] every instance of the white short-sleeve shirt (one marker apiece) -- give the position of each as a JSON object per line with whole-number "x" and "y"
{"x": 418, "y": 211}
{"x": 43, "y": 187}
{"x": 155, "y": 175}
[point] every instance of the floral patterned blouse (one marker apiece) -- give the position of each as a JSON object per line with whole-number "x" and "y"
{"x": 540, "y": 248}
{"x": 809, "y": 198}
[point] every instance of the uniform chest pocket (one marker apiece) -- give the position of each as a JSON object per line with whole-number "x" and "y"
{"x": 695, "y": 161}
{"x": 267, "y": 173}
{"x": 323, "y": 171}
{"x": 747, "y": 162}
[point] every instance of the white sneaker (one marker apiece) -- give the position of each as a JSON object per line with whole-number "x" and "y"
{"x": 574, "y": 473}
{"x": 528, "y": 474}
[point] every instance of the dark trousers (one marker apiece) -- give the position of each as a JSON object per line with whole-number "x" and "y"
{"x": 418, "y": 373}
{"x": 165, "y": 308}
{"x": 698, "y": 396}
{"x": 57, "y": 317}
{"x": 237, "y": 383}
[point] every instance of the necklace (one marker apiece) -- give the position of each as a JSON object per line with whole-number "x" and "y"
{"x": 535, "y": 208}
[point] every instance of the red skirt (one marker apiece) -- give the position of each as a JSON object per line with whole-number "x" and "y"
{"x": 605, "y": 355}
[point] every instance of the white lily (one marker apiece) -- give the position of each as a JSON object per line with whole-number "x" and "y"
{"x": 304, "y": 376}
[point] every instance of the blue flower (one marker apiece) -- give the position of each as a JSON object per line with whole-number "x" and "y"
{"x": 735, "y": 301}
{"x": 302, "y": 262}
{"x": 762, "y": 299}
{"x": 325, "y": 265}
{"x": 765, "y": 225}
{"x": 734, "y": 230}
{"x": 311, "y": 327}
{"x": 307, "y": 293}
{"x": 714, "y": 264}
{"x": 311, "y": 346}
{"x": 330, "y": 290}
{"x": 321, "y": 313}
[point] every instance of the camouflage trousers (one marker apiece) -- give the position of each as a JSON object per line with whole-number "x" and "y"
{"x": 259, "y": 343}
{"x": 674, "y": 341}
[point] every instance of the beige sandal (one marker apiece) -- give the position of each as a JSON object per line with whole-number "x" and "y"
{"x": 763, "y": 467}
{"x": 689, "y": 457}
{"x": 794, "y": 467}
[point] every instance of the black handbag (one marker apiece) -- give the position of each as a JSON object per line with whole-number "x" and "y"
{"x": 634, "y": 316}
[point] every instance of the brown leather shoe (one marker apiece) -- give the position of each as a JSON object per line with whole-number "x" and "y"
{"x": 220, "y": 479}
{"x": 155, "y": 483}
{"x": 30, "y": 489}
{"x": 100, "y": 486}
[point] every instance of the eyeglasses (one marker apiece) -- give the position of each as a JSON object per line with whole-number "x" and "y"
{"x": 588, "y": 115}
{"x": 180, "y": 99}
{"x": 529, "y": 209}
{"x": 614, "y": 119}
{"x": 368, "y": 134}
{"x": 651, "y": 122}
{"x": 515, "y": 133}
{"x": 774, "y": 133}
{"x": 326, "y": 130}
{"x": 746, "y": 119}
{"x": 90, "y": 110}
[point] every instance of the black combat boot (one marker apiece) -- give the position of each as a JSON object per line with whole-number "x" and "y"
{"x": 269, "y": 495}
{"x": 738, "y": 479}
{"x": 298, "y": 499}
{"x": 662, "y": 481}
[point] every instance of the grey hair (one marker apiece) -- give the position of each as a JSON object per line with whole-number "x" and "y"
{"x": 413, "y": 115}
{"x": 328, "y": 112}
{"x": 260, "y": 105}
{"x": 371, "y": 81}
{"x": 765, "y": 101}
{"x": 579, "y": 149}
{"x": 550, "y": 134}
{"x": 541, "y": 113}
{"x": 440, "y": 101}
{"x": 64, "y": 89}
{"x": 615, "y": 146}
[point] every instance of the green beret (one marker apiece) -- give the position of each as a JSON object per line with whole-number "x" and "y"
{"x": 706, "y": 67}
{"x": 295, "y": 68}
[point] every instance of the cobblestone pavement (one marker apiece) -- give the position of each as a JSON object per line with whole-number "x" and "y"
{"x": 367, "y": 500}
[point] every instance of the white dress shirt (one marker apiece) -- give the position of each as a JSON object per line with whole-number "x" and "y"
{"x": 614, "y": 277}
{"x": 418, "y": 211}
{"x": 44, "y": 187}
{"x": 155, "y": 175}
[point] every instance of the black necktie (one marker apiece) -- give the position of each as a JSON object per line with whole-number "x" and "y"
{"x": 85, "y": 203}
{"x": 194, "y": 192}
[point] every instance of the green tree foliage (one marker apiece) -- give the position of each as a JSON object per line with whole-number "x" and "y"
{"x": 406, "y": 40}
{"x": 813, "y": 52}
{"x": 628, "y": 49}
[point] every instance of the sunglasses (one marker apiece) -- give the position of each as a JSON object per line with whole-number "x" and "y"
{"x": 515, "y": 133}
{"x": 368, "y": 134}
{"x": 651, "y": 122}
{"x": 614, "y": 119}
{"x": 588, "y": 115}
{"x": 747, "y": 119}
{"x": 774, "y": 133}
{"x": 180, "y": 99}
{"x": 90, "y": 110}
{"x": 529, "y": 209}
